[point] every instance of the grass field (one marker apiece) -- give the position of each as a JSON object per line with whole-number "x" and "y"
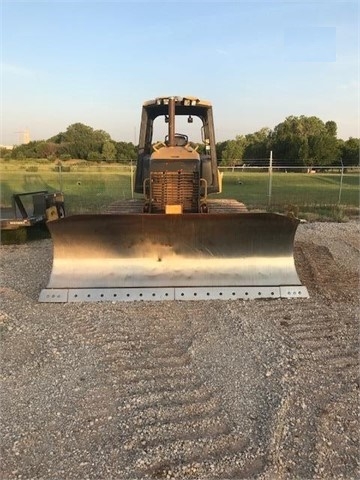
{"x": 90, "y": 189}
{"x": 292, "y": 188}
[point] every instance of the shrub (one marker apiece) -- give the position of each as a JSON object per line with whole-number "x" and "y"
{"x": 65, "y": 156}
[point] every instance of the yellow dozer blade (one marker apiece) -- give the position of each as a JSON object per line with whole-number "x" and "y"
{"x": 127, "y": 257}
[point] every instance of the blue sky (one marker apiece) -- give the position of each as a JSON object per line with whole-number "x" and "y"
{"x": 258, "y": 62}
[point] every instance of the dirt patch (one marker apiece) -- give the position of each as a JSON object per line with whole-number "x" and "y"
{"x": 323, "y": 275}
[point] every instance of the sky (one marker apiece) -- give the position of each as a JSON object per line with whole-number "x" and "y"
{"x": 96, "y": 62}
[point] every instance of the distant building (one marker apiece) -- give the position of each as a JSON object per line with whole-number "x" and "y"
{"x": 24, "y": 136}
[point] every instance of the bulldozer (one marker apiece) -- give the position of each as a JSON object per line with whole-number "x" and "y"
{"x": 175, "y": 242}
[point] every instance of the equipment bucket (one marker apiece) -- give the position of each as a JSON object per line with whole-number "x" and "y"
{"x": 157, "y": 257}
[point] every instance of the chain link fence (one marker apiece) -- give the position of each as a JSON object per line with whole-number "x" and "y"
{"x": 260, "y": 187}
{"x": 91, "y": 188}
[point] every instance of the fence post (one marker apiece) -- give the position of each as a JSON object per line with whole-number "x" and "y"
{"x": 132, "y": 179}
{"x": 341, "y": 182}
{"x": 60, "y": 177}
{"x": 270, "y": 178}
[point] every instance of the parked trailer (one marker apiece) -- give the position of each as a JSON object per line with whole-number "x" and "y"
{"x": 32, "y": 208}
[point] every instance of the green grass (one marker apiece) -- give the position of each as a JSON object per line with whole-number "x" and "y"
{"x": 86, "y": 191}
{"x": 91, "y": 189}
{"x": 291, "y": 188}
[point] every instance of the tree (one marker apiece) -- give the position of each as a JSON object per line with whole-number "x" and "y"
{"x": 46, "y": 149}
{"x": 234, "y": 151}
{"x": 79, "y": 140}
{"x": 220, "y": 147}
{"x": 125, "y": 151}
{"x": 109, "y": 151}
{"x": 305, "y": 141}
{"x": 257, "y": 144}
{"x": 4, "y": 151}
{"x": 323, "y": 150}
{"x": 331, "y": 128}
{"x": 95, "y": 157}
{"x": 101, "y": 136}
{"x": 350, "y": 151}
{"x": 33, "y": 149}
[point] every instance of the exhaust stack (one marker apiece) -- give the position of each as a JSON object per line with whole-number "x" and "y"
{"x": 172, "y": 122}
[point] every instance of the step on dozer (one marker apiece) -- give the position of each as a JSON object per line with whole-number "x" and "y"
{"x": 176, "y": 247}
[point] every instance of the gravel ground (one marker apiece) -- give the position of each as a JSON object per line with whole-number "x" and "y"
{"x": 216, "y": 389}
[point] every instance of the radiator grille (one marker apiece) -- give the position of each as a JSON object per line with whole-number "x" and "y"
{"x": 175, "y": 188}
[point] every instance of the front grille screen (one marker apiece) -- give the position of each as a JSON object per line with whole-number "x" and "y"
{"x": 175, "y": 188}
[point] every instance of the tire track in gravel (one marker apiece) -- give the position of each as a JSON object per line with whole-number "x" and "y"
{"x": 326, "y": 366}
{"x": 171, "y": 424}
{"x": 327, "y": 362}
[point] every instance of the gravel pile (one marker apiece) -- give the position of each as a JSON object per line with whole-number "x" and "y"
{"x": 202, "y": 390}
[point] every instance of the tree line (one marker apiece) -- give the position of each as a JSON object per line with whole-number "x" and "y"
{"x": 296, "y": 141}
{"x": 79, "y": 141}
